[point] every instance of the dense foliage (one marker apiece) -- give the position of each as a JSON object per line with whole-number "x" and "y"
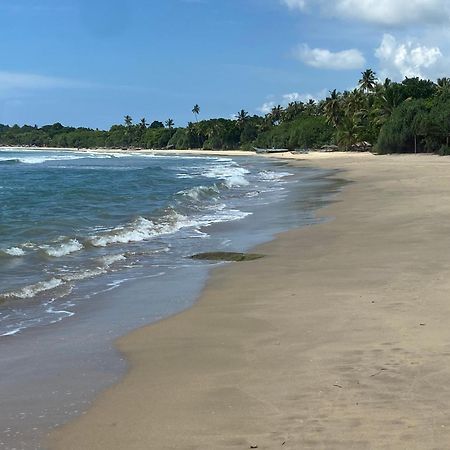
{"x": 413, "y": 115}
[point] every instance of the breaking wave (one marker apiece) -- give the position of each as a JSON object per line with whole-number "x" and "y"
{"x": 63, "y": 249}
{"x": 14, "y": 251}
{"x": 232, "y": 176}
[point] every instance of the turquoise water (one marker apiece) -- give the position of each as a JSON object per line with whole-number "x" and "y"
{"x": 69, "y": 217}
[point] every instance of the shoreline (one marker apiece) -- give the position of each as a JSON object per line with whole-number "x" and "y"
{"x": 241, "y": 369}
{"x": 288, "y": 155}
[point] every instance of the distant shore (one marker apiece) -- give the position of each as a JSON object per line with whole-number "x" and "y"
{"x": 337, "y": 339}
{"x": 313, "y": 154}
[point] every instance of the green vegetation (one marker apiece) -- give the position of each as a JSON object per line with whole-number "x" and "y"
{"x": 227, "y": 256}
{"x": 390, "y": 117}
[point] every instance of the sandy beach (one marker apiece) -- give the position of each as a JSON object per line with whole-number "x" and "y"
{"x": 337, "y": 339}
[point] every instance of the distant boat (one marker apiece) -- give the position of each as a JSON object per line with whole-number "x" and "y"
{"x": 270, "y": 150}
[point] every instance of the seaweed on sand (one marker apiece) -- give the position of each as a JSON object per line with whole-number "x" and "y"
{"x": 227, "y": 256}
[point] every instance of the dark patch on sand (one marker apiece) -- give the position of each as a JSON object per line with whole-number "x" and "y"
{"x": 227, "y": 256}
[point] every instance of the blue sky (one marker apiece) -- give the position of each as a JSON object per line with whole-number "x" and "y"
{"x": 88, "y": 63}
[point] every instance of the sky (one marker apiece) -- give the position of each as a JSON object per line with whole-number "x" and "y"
{"x": 90, "y": 62}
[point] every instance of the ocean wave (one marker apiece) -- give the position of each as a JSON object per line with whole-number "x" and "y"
{"x": 34, "y": 289}
{"x": 34, "y": 159}
{"x": 12, "y": 332}
{"x": 84, "y": 274}
{"x": 63, "y": 249}
{"x": 199, "y": 193}
{"x": 7, "y": 162}
{"x": 232, "y": 176}
{"x": 268, "y": 175}
{"x": 14, "y": 251}
{"x": 109, "y": 260}
{"x": 141, "y": 229}
{"x": 103, "y": 265}
{"x": 221, "y": 214}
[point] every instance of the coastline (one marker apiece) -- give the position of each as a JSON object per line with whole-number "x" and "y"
{"x": 337, "y": 339}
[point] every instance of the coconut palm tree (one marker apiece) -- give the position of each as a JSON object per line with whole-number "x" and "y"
{"x": 387, "y": 99}
{"x": 242, "y": 117}
{"x": 292, "y": 111}
{"x": 143, "y": 123}
{"x": 332, "y": 108}
{"x": 128, "y": 121}
{"x": 443, "y": 84}
{"x": 368, "y": 81}
{"x": 347, "y": 135}
{"x": 196, "y": 112}
{"x": 311, "y": 107}
{"x": 169, "y": 123}
{"x": 276, "y": 114}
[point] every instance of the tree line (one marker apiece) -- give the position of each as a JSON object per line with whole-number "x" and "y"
{"x": 391, "y": 117}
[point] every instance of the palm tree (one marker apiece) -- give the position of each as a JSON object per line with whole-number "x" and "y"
{"x": 368, "y": 81}
{"x": 292, "y": 111}
{"x": 332, "y": 108}
{"x": 311, "y": 107}
{"x": 143, "y": 124}
{"x": 276, "y": 114}
{"x": 170, "y": 123}
{"x": 347, "y": 135}
{"x": 443, "y": 84}
{"x": 242, "y": 117}
{"x": 196, "y": 112}
{"x": 128, "y": 121}
{"x": 387, "y": 99}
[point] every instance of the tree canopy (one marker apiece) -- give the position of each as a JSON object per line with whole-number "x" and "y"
{"x": 412, "y": 115}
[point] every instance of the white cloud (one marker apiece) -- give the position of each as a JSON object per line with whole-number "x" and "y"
{"x": 407, "y": 59}
{"x": 298, "y": 97}
{"x": 383, "y": 12}
{"x": 289, "y": 98}
{"x": 14, "y": 82}
{"x": 295, "y": 4}
{"x": 326, "y": 59}
{"x": 266, "y": 107}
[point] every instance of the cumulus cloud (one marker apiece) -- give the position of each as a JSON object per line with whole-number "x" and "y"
{"x": 266, "y": 107}
{"x": 407, "y": 59}
{"x": 326, "y": 59}
{"x": 285, "y": 99}
{"x": 383, "y": 12}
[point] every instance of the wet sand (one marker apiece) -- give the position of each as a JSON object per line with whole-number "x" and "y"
{"x": 337, "y": 339}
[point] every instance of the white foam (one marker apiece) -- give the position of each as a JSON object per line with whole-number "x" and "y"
{"x": 39, "y": 157}
{"x": 268, "y": 175}
{"x": 231, "y": 175}
{"x": 140, "y": 230}
{"x": 111, "y": 259}
{"x": 35, "y": 159}
{"x": 34, "y": 289}
{"x": 197, "y": 193}
{"x": 62, "y": 313}
{"x": 64, "y": 249}
{"x": 12, "y": 332}
{"x": 14, "y": 251}
{"x": 79, "y": 276}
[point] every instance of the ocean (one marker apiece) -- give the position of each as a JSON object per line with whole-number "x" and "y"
{"x": 95, "y": 244}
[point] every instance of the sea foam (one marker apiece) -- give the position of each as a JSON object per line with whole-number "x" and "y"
{"x": 14, "y": 251}
{"x": 34, "y": 289}
{"x": 231, "y": 175}
{"x": 64, "y": 249}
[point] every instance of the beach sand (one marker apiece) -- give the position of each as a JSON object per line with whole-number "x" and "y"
{"x": 338, "y": 339}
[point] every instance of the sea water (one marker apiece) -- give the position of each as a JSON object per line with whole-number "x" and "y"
{"x": 95, "y": 244}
